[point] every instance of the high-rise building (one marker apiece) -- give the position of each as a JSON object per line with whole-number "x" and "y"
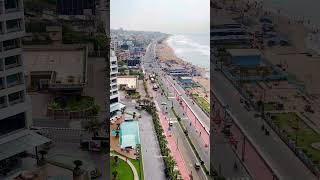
{"x": 76, "y": 7}
{"x": 115, "y": 104}
{"x": 15, "y": 106}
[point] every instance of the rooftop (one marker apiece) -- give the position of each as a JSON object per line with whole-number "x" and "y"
{"x": 66, "y": 61}
{"x": 244, "y": 52}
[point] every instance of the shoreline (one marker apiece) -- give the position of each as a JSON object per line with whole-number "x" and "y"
{"x": 166, "y": 53}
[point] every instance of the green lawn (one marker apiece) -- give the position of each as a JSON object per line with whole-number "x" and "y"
{"x": 72, "y": 103}
{"x": 295, "y": 127}
{"x": 123, "y": 169}
{"x": 137, "y": 164}
{"x": 134, "y": 94}
{"x": 202, "y": 102}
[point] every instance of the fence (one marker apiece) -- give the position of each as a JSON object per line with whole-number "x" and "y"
{"x": 241, "y": 143}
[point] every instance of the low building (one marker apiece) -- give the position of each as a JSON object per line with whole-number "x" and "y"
{"x": 245, "y": 57}
{"x": 133, "y": 63}
{"x": 186, "y": 80}
{"x": 128, "y": 82}
{"x": 57, "y": 68}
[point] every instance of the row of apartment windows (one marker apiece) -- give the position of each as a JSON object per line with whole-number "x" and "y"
{"x": 13, "y": 25}
{"x": 10, "y": 44}
{"x": 113, "y": 87}
{"x": 10, "y": 62}
{"x": 11, "y": 80}
{"x": 11, "y": 99}
{"x": 11, "y": 5}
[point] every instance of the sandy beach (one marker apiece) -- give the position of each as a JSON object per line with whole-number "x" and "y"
{"x": 301, "y": 67}
{"x": 166, "y": 53}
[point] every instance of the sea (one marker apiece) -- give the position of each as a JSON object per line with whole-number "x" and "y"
{"x": 296, "y": 9}
{"x": 192, "y": 48}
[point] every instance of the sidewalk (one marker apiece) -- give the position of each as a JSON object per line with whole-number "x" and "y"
{"x": 135, "y": 173}
{"x": 171, "y": 141}
{"x": 174, "y": 148}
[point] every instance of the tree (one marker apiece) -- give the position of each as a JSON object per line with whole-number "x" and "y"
{"x": 93, "y": 126}
{"x": 114, "y": 174}
{"x": 116, "y": 160}
{"x": 77, "y": 170}
{"x": 42, "y": 160}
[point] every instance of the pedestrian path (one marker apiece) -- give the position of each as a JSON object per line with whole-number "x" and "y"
{"x": 174, "y": 148}
{"x": 135, "y": 173}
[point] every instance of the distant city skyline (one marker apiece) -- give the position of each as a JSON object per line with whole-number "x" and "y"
{"x": 167, "y": 16}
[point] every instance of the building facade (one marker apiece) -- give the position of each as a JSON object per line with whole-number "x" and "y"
{"x": 15, "y": 106}
{"x": 115, "y": 104}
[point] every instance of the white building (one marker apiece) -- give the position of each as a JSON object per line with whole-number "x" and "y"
{"x": 15, "y": 106}
{"x": 115, "y": 104}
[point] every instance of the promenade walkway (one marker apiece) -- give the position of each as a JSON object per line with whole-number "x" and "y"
{"x": 135, "y": 173}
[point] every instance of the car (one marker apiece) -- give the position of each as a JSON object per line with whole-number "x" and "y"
{"x": 197, "y": 165}
{"x": 170, "y": 123}
{"x": 163, "y": 103}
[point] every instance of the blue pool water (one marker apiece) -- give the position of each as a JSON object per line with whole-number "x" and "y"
{"x": 129, "y": 134}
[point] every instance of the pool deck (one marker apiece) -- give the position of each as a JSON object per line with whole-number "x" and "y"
{"x": 114, "y": 141}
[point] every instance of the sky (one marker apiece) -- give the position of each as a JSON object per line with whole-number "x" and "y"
{"x": 167, "y": 16}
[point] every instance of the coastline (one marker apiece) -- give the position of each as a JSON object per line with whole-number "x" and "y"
{"x": 294, "y": 57}
{"x": 166, "y": 53}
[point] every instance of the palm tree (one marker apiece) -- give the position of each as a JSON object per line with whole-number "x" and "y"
{"x": 42, "y": 160}
{"x": 116, "y": 160}
{"x": 93, "y": 126}
{"x": 77, "y": 170}
{"x": 114, "y": 174}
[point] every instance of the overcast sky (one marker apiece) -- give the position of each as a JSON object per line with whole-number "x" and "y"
{"x": 168, "y": 16}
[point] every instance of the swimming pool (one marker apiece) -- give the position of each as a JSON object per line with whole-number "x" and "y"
{"x": 129, "y": 134}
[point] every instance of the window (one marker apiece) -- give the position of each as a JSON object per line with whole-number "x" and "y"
{"x": 114, "y": 81}
{"x": 12, "y": 61}
{"x": 14, "y": 79}
{"x": 13, "y": 25}
{"x": 3, "y": 103}
{"x": 1, "y": 83}
{"x": 11, "y": 44}
{"x": 11, "y": 4}
{"x": 12, "y": 123}
{"x": 114, "y": 100}
{"x": 16, "y": 97}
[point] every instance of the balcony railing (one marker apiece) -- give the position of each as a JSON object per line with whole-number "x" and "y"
{"x": 14, "y": 29}
{"x": 65, "y": 86}
{"x": 11, "y": 10}
{"x": 16, "y": 101}
{"x": 9, "y": 47}
{"x": 3, "y": 104}
{"x": 14, "y": 83}
{"x": 9, "y": 66}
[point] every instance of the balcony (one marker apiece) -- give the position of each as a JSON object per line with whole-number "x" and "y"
{"x": 1, "y": 84}
{"x": 13, "y": 25}
{"x": 3, "y": 102}
{"x": 11, "y": 44}
{"x": 14, "y": 80}
{"x": 16, "y": 98}
{"x": 12, "y": 6}
{"x": 12, "y": 62}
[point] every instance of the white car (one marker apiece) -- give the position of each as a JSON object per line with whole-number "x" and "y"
{"x": 163, "y": 103}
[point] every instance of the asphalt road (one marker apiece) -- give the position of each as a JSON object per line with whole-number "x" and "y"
{"x": 151, "y": 157}
{"x": 277, "y": 154}
{"x": 224, "y": 158}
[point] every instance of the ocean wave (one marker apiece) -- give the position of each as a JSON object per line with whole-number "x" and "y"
{"x": 182, "y": 43}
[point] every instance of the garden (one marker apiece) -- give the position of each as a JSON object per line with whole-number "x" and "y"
{"x": 202, "y": 102}
{"x": 133, "y": 94}
{"x": 119, "y": 169}
{"x": 299, "y": 132}
{"x": 124, "y": 167}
